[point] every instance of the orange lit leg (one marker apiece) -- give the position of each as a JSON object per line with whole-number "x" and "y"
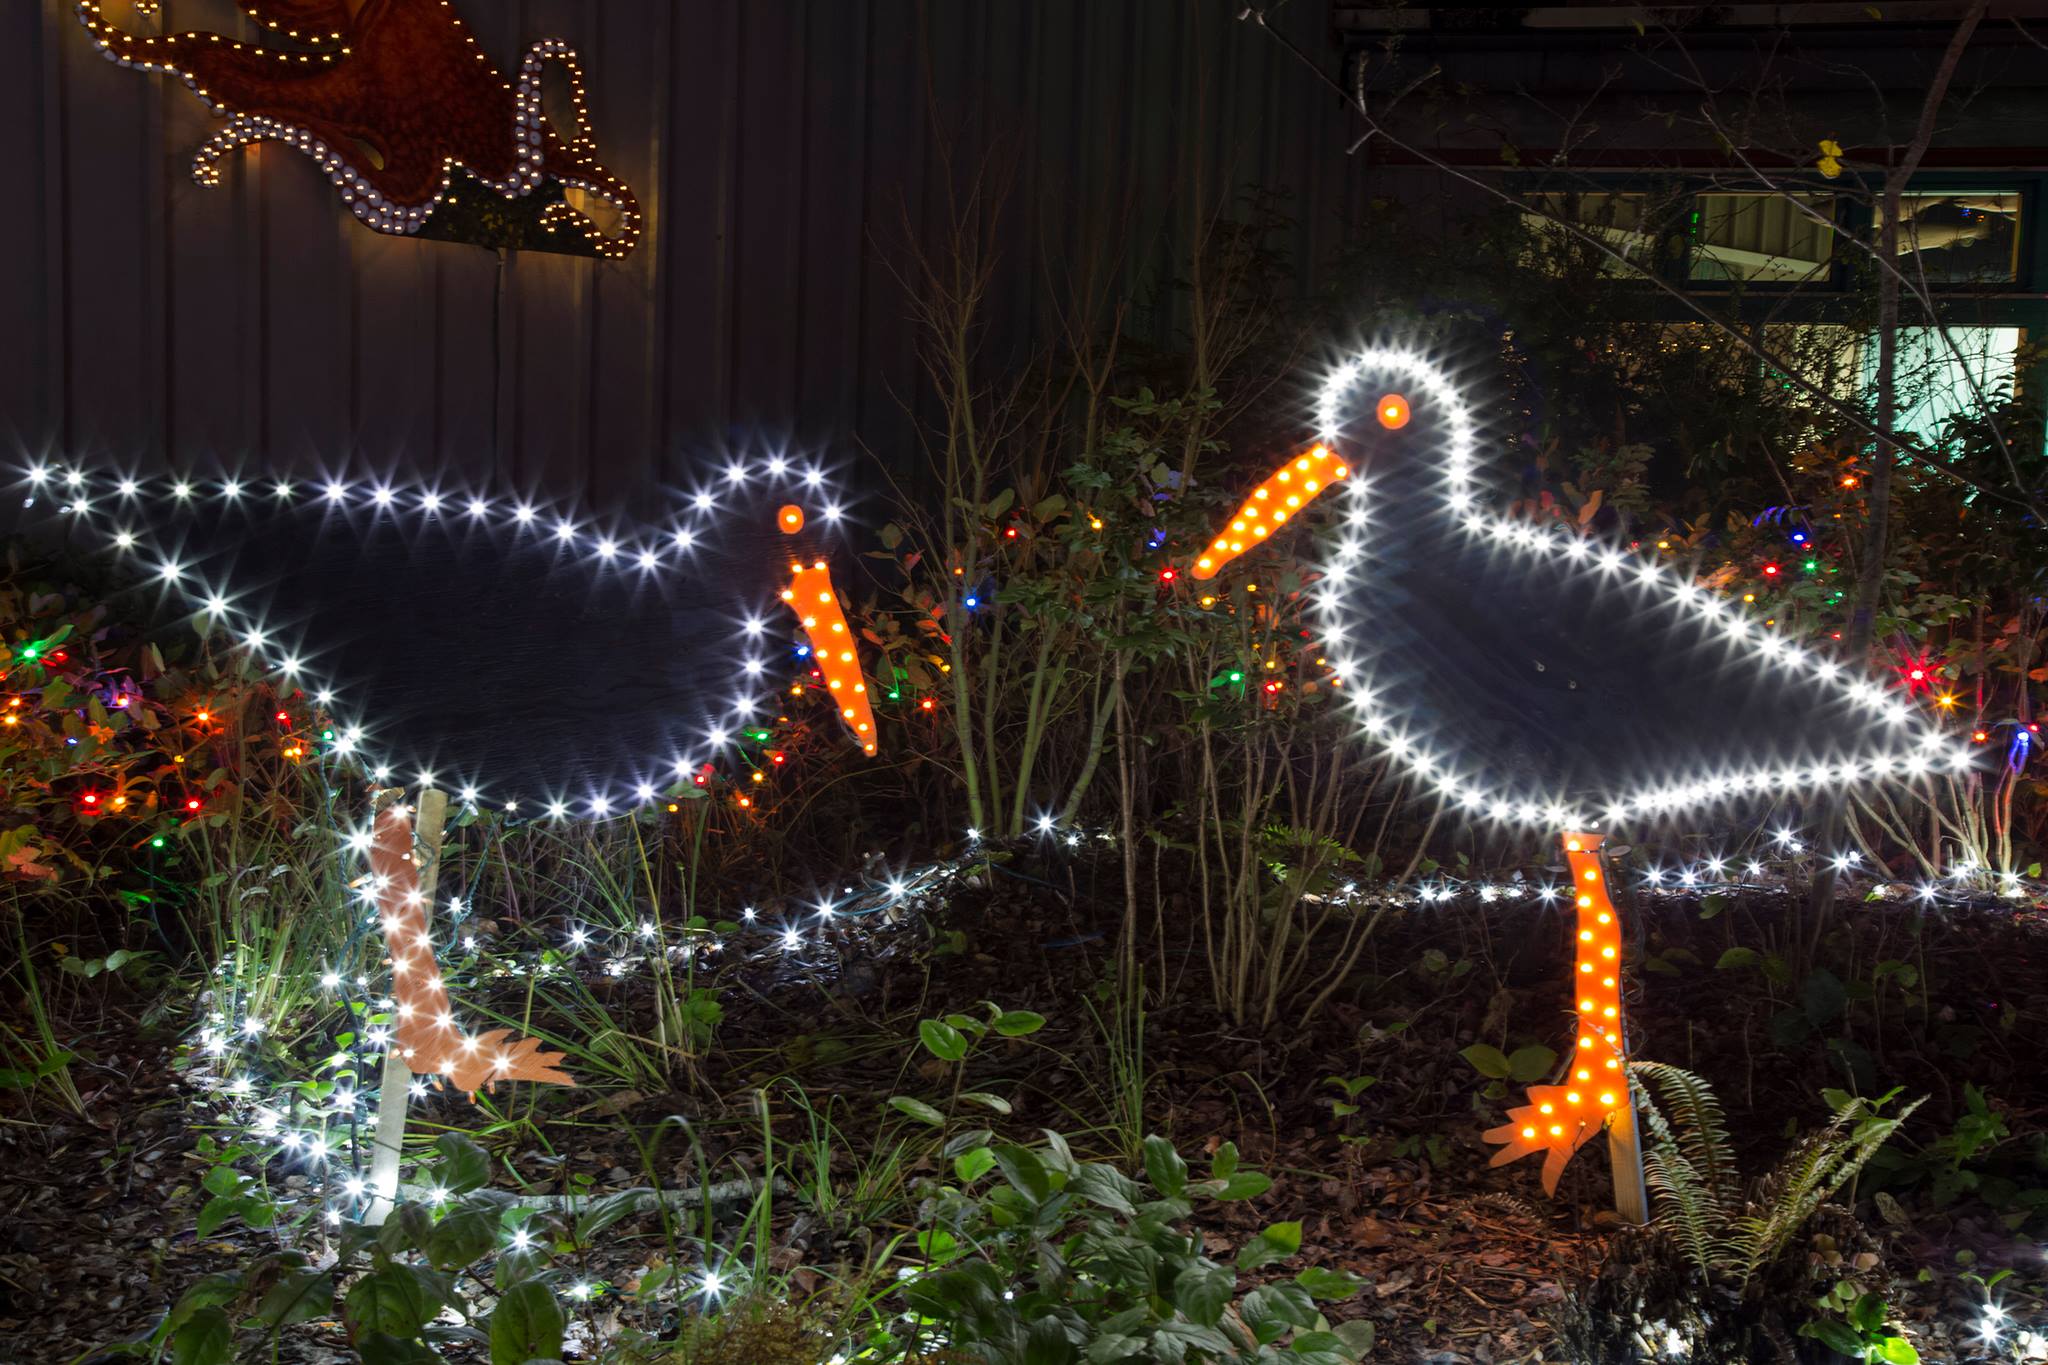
{"x": 426, "y": 1037}
{"x": 1559, "y": 1119}
{"x": 1292, "y": 487}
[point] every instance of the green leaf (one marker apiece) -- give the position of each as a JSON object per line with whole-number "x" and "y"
{"x": 1866, "y": 1314}
{"x": 917, "y": 1109}
{"x": 1735, "y": 957}
{"x": 1045, "y": 509}
{"x": 463, "y": 1166}
{"x": 205, "y": 1338}
{"x": 1836, "y": 1336}
{"x": 1321, "y": 1282}
{"x": 1025, "y": 1172}
{"x": 1532, "y": 1063}
{"x": 1823, "y": 997}
{"x": 299, "y": 1296}
{"x": 461, "y": 1239}
{"x": 1244, "y": 1185}
{"x": 1358, "y": 1335}
{"x": 1203, "y": 1291}
{"x": 222, "y": 1180}
{"x": 604, "y": 1212}
{"x": 1018, "y": 1023}
{"x": 1487, "y": 1060}
{"x": 527, "y": 1324}
{"x": 986, "y": 1100}
{"x": 1000, "y": 503}
{"x": 1224, "y": 1164}
{"x": 377, "y": 1348}
{"x": 216, "y": 1212}
{"x": 1045, "y": 1343}
{"x": 220, "y": 1287}
{"x": 1107, "y": 1187}
{"x": 1272, "y": 1310}
{"x": 973, "y": 1164}
{"x": 1897, "y": 1351}
{"x": 1164, "y": 1167}
{"x": 942, "y": 1040}
{"x": 395, "y": 1299}
{"x": 1276, "y": 1243}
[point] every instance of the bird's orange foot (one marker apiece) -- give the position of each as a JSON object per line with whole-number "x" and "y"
{"x": 1549, "y": 1123}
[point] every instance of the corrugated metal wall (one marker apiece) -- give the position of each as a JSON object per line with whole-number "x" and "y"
{"x": 783, "y": 149}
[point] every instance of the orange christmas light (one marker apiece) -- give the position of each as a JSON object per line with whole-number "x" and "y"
{"x": 1392, "y": 410}
{"x": 811, "y": 596}
{"x": 426, "y": 1037}
{"x": 1559, "y": 1119}
{"x": 1290, "y": 488}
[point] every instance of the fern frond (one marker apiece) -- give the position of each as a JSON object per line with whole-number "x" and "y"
{"x": 1686, "y": 1208}
{"x": 1807, "y": 1178}
{"x": 1701, "y": 1127}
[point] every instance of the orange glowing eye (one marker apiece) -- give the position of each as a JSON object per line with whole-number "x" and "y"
{"x": 1392, "y": 410}
{"x": 790, "y": 518}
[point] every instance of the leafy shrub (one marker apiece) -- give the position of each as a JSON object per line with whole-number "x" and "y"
{"x": 117, "y": 742}
{"x": 400, "y": 1299}
{"x": 1057, "y": 1261}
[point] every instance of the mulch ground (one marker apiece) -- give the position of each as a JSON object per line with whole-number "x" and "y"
{"x": 1464, "y": 1263}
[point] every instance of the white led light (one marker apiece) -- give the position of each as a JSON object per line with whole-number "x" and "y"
{"x": 1773, "y": 655}
{"x": 425, "y": 506}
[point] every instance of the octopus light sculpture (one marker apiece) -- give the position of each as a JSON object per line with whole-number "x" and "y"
{"x": 398, "y": 106}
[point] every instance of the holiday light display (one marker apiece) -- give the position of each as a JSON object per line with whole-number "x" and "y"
{"x": 815, "y": 601}
{"x": 1558, "y": 1119}
{"x": 114, "y": 507}
{"x": 1290, "y": 488}
{"x": 426, "y": 1035}
{"x": 390, "y": 100}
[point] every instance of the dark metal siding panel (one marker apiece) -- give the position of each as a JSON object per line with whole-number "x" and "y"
{"x": 786, "y": 158}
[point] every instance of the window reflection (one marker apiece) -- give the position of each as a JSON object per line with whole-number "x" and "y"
{"x": 1766, "y": 238}
{"x": 1961, "y": 236}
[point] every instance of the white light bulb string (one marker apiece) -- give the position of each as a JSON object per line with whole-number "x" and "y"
{"x": 1925, "y": 749}
{"x": 99, "y": 502}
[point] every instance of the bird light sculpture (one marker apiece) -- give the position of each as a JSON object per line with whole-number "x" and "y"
{"x": 1461, "y": 741}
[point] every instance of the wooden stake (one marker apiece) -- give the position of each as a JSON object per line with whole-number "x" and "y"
{"x": 1625, "y": 1135}
{"x": 1625, "y": 1152}
{"x": 395, "y": 1090}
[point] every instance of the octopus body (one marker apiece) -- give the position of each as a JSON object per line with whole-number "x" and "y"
{"x": 392, "y": 99}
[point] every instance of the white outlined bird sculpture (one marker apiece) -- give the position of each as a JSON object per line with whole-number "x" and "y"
{"x": 1534, "y": 679}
